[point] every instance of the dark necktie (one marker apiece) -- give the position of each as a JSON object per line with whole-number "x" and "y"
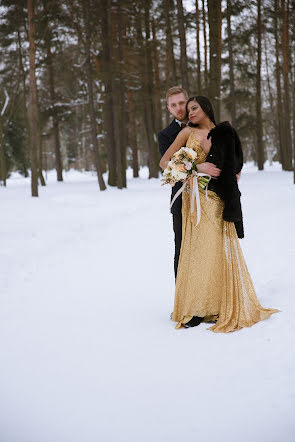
{"x": 183, "y": 125}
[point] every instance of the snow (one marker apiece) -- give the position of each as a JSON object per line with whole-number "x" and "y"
{"x": 88, "y": 352}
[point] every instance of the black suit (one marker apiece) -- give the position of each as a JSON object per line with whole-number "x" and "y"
{"x": 166, "y": 138}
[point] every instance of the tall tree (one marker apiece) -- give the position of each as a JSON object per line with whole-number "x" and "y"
{"x": 148, "y": 95}
{"x": 279, "y": 106}
{"x": 157, "y": 82}
{"x": 292, "y": 15}
{"x": 182, "y": 39}
{"x": 214, "y": 19}
{"x": 259, "y": 128}
{"x": 107, "y": 77}
{"x": 206, "y": 79}
{"x": 171, "y": 78}
{"x": 198, "y": 46}
{"x": 231, "y": 65}
{"x": 286, "y": 95}
{"x": 91, "y": 97}
{"x": 55, "y": 119}
{"x": 33, "y": 100}
{"x": 3, "y": 166}
{"x": 132, "y": 134}
{"x": 119, "y": 32}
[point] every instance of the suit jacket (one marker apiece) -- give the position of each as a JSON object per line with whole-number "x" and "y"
{"x": 165, "y": 139}
{"x": 226, "y": 153}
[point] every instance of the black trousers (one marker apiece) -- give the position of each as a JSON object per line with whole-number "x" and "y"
{"x": 177, "y": 227}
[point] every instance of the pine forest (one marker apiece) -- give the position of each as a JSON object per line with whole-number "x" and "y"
{"x": 83, "y": 83}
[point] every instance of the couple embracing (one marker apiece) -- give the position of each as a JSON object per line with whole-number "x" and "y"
{"x": 213, "y": 284}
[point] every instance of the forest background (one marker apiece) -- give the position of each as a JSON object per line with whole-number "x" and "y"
{"x": 83, "y": 83}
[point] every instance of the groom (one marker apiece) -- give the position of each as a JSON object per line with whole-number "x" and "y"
{"x": 176, "y": 98}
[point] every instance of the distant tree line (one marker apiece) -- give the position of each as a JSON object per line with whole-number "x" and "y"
{"x": 83, "y": 83}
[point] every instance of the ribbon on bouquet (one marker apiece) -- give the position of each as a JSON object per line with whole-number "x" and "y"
{"x": 195, "y": 192}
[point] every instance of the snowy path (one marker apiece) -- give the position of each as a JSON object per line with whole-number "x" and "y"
{"x": 88, "y": 353}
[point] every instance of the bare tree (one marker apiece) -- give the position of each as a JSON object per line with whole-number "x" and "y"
{"x": 198, "y": 46}
{"x": 107, "y": 76}
{"x": 279, "y": 106}
{"x": 171, "y": 78}
{"x": 214, "y": 19}
{"x": 33, "y": 103}
{"x": 205, "y": 47}
{"x": 3, "y": 166}
{"x": 91, "y": 97}
{"x": 286, "y": 95}
{"x": 182, "y": 39}
{"x": 259, "y": 127}
{"x": 231, "y": 65}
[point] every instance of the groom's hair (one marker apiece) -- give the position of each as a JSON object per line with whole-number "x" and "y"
{"x": 174, "y": 91}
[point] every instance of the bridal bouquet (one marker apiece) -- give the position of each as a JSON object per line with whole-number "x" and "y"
{"x": 181, "y": 166}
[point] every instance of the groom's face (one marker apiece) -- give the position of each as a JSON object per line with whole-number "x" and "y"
{"x": 176, "y": 106}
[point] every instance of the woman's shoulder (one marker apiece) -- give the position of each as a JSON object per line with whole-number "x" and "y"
{"x": 186, "y": 131}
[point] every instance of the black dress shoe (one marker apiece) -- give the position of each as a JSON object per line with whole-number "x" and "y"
{"x": 196, "y": 320}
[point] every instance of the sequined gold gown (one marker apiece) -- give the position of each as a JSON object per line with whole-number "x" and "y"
{"x": 212, "y": 277}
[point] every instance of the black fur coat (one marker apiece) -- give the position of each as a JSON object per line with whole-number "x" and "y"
{"x": 226, "y": 153}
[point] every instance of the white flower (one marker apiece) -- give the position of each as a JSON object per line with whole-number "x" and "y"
{"x": 178, "y": 175}
{"x": 190, "y": 152}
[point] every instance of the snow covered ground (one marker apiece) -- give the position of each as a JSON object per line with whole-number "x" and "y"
{"x": 88, "y": 352}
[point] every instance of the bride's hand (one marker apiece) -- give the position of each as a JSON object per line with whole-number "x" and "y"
{"x": 209, "y": 169}
{"x": 164, "y": 163}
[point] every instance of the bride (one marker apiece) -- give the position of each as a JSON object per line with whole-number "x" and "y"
{"x": 213, "y": 283}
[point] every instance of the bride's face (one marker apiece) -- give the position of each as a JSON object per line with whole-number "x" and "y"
{"x": 195, "y": 112}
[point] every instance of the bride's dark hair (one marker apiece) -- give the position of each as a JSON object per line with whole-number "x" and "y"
{"x": 206, "y": 106}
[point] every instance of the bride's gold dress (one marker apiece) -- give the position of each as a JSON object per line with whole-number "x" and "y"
{"x": 212, "y": 277}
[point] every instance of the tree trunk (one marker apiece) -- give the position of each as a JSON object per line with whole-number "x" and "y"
{"x": 286, "y": 67}
{"x": 206, "y": 80}
{"x": 3, "y": 166}
{"x": 182, "y": 39}
{"x": 90, "y": 98}
{"x": 157, "y": 83}
{"x": 41, "y": 177}
{"x": 273, "y": 121}
{"x": 116, "y": 88}
{"x": 132, "y": 134}
{"x": 214, "y": 19}
{"x": 231, "y": 65}
{"x": 21, "y": 64}
{"x": 293, "y": 84}
{"x": 148, "y": 103}
{"x": 171, "y": 78}
{"x": 33, "y": 105}
{"x": 108, "y": 92}
{"x": 259, "y": 128}
{"x": 198, "y": 47}
{"x": 279, "y": 91}
{"x": 58, "y": 161}
{"x": 123, "y": 113}
{"x": 293, "y": 99}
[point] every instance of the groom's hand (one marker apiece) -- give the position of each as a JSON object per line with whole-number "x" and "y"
{"x": 209, "y": 169}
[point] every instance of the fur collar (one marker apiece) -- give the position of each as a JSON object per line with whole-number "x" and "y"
{"x": 220, "y": 129}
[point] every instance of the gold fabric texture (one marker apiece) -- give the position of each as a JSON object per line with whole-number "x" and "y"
{"x": 212, "y": 278}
